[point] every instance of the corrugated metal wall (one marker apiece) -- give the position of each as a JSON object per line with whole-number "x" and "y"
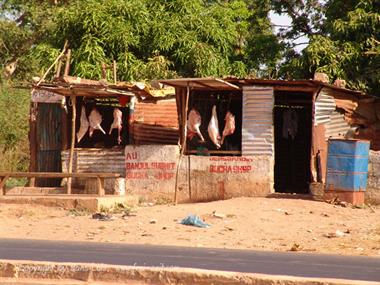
{"x": 49, "y": 141}
{"x": 337, "y": 126}
{"x": 324, "y": 106}
{"x": 156, "y": 123}
{"x": 257, "y": 126}
{"x": 95, "y": 160}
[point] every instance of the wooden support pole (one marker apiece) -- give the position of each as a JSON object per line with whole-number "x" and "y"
{"x": 100, "y": 185}
{"x": 71, "y": 157}
{"x": 104, "y": 71}
{"x": 67, "y": 66}
{"x": 184, "y": 132}
{"x": 114, "y": 71}
{"x": 32, "y": 182}
{"x": 3, "y": 180}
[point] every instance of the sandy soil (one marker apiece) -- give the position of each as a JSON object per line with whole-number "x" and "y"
{"x": 246, "y": 223}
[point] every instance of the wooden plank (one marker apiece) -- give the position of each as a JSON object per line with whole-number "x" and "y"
{"x": 59, "y": 174}
{"x": 213, "y": 152}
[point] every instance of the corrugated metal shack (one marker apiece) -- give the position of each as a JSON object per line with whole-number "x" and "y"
{"x": 279, "y": 143}
{"x": 50, "y": 127}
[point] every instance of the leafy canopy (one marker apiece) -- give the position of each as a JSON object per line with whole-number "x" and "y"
{"x": 148, "y": 38}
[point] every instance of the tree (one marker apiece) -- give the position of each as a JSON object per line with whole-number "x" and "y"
{"x": 346, "y": 45}
{"x": 148, "y": 38}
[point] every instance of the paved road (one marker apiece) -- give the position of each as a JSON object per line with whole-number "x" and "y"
{"x": 293, "y": 264}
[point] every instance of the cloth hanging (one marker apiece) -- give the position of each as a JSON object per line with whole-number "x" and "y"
{"x": 290, "y": 123}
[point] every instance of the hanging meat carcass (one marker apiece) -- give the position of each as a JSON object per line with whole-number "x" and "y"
{"x": 213, "y": 128}
{"x": 95, "y": 120}
{"x": 229, "y": 127}
{"x": 84, "y": 124}
{"x": 117, "y": 123}
{"x": 193, "y": 125}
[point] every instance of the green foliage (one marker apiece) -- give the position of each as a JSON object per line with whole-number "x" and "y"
{"x": 347, "y": 46}
{"x": 14, "y": 110}
{"x": 149, "y": 39}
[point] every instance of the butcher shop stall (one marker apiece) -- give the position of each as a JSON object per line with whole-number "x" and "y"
{"x": 83, "y": 126}
{"x": 195, "y": 139}
{"x": 248, "y": 137}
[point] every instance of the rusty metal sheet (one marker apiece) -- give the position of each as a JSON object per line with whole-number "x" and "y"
{"x": 156, "y": 123}
{"x": 257, "y": 125}
{"x": 150, "y": 134}
{"x": 337, "y": 126}
{"x": 162, "y": 113}
{"x": 95, "y": 160}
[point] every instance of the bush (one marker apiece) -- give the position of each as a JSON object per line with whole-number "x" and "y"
{"x": 14, "y": 120}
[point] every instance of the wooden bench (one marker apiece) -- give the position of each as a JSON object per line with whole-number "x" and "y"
{"x": 100, "y": 176}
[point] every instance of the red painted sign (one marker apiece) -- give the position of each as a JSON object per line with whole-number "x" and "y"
{"x": 146, "y": 169}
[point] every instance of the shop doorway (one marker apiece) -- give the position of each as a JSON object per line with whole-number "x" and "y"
{"x": 292, "y": 132}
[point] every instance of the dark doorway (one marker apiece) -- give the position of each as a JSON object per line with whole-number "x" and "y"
{"x": 292, "y": 130}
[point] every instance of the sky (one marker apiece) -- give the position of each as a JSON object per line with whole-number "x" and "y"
{"x": 285, "y": 20}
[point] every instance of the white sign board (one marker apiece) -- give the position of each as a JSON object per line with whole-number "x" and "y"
{"x": 44, "y": 96}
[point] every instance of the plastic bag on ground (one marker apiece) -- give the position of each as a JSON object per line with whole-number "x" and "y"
{"x": 194, "y": 220}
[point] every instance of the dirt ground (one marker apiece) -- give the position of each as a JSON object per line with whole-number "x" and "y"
{"x": 243, "y": 223}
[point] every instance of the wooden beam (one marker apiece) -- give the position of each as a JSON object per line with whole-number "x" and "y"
{"x": 58, "y": 174}
{"x": 214, "y": 152}
{"x": 71, "y": 157}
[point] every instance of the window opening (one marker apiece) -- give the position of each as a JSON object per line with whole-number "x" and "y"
{"x": 203, "y": 102}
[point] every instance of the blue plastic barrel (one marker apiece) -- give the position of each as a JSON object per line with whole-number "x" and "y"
{"x": 347, "y": 165}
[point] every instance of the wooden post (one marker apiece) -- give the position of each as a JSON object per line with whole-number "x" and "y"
{"x": 114, "y": 71}
{"x": 32, "y": 182}
{"x": 184, "y": 133}
{"x": 100, "y": 185}
{"x": 73, "y": 119}
{"x": 67, "y": 66}
{"x": 104, "y": 71}
{"x": 3, "y": 180}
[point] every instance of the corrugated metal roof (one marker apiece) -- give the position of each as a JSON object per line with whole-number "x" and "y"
{"x": 277, "y": 84}
{"x": 324, "y": 106}
{"x": 257, "y": 126}
{"x": 70, "y": 85}
{"x": 208, "y": 83}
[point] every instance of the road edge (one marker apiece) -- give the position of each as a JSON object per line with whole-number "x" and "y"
{"x": 12, "y": 271}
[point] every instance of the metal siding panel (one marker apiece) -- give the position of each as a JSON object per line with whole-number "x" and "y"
{"x": 156, "y": 123}
{"x": 337, "y": 126}
{"x": 257, "y": 126}
{"x": 49, "y": 161}
{"x": 49, "y": 135}
{"x": 96, "y": 160}
{"x": 324, "y": 106}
